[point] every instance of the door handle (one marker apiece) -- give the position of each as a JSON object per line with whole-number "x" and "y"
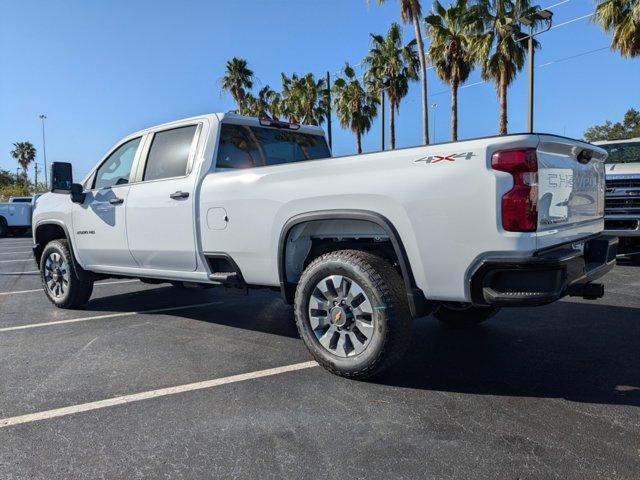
{"x": 116, "y": 201}
{"x": 177, "y": 195}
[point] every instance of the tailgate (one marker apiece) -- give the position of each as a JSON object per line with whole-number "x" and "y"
{"x": 570, "y": 190}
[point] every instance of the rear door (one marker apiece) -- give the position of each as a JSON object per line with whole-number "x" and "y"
{"x": 570, "y": 190}
{"x": 160, "y": 207}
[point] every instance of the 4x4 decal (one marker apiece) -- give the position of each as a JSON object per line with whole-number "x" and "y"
{"x": 441, "y": 158}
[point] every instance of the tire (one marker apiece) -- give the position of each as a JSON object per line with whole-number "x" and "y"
{"x": 66, "y": 284}
{"x": 463, "y": 315}
{"x": 4, "y": 229}
{"x": 374, "y": 316}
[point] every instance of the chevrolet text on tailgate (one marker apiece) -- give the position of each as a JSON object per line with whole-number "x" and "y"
{"x": 359, "y": 244}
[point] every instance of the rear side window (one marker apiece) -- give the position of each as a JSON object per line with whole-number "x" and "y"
{"x": 169, "y": 153}
{"x": 242, "y": 146}
{"x": 116, "y": 168}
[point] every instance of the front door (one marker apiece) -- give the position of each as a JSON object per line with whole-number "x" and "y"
{"x": 99, "y": 224}
{"x": 160, "y": 207}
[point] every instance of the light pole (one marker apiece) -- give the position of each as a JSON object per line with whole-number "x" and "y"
{"x": 530, "y": 21}
{"x": 43, "y": 117}
{"x": 433, "y": 107}
{"x": 329, "y": 110}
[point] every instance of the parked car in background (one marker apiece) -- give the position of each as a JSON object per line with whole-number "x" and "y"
{"x": 360, "y": 244}
{"x": 15, "y": 215}
{"x": 622, "y": 201}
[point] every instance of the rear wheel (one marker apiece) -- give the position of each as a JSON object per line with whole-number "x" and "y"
{"x": 352, "y": 313}
{"x": 65, "y": 283}
{"x": 4, "y": 229}
{"x": 463, "y": 315}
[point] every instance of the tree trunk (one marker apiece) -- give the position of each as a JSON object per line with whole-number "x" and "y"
{"x": 454, "y": 111}
{"x": 358, "y": 142}
{"x": 423, "y": 79}
{"x": 502, "y": 96}
{"x": 392, "y": 125}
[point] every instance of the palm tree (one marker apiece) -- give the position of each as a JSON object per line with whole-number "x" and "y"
{"x": 355, "y": 107}
{"x": 452, "y": 32}
{"x": 411, "y": 11}
{"x": 304, "y": 99}
{"x": 260, "y": 106}
{"x": 392, "y": 65}
{"x": 237, "y": 80}
{"x": 501, "y": 49}
{"x": 24, "y": 153}
{"x": 276, "y": 105}
{"x": 623, "y": 18}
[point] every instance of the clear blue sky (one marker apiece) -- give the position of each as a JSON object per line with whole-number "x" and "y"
{"x": 102, "y": 69}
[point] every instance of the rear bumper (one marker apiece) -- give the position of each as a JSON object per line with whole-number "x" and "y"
{"x": 546, "y": 277}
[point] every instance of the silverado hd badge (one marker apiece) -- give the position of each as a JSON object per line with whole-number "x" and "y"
{"x": 441, "y": 158}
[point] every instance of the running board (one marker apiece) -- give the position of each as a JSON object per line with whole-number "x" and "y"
{"x": 226, "y": 278}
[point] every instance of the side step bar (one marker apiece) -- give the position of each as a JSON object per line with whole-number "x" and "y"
{"x": 226, "y": 278}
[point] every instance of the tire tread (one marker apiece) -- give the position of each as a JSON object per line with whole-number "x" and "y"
{"x": 81, "y": 284}
{"x": 389, "y": 283}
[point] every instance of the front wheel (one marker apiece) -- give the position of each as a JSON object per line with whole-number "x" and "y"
{"x": 352, "y": 313}
{"x": 463, "y": 315}
{"x": 66, "y": 284}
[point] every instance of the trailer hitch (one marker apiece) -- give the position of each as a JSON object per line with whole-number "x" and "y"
{"x": 588, "y": 291}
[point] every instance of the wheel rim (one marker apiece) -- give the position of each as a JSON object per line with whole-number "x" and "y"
{"x": 341, "y": 316}
{"x": 56, "y": 274}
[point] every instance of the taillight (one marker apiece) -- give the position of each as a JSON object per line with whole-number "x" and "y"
{"x": 520, "y": 204}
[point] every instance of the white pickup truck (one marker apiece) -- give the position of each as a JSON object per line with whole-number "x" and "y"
{"x": 15, "y": 215}
{"x": 360, "y": 244}
{"x": 622, "y": 200}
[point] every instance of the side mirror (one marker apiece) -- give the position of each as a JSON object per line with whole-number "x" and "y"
{"x": 62, "y": 182}
{"x": 77, "y": 193}
{"x": 61, "y": 177}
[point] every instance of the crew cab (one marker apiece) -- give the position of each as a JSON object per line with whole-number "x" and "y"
{"x": 622, "y": 200}
{"x": 15, "y": 215}
{"x": 360, "y": 244}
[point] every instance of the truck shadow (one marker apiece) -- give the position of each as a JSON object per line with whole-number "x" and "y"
{"x": 582, "y": 352}
{"x": 577, "y": 351}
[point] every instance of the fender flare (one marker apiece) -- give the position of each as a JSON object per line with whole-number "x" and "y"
{"x": 39, "y": 247}
{"x": 418, "y": 303}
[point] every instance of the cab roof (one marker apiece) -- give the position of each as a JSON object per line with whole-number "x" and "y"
{"x": 225, "y": 118}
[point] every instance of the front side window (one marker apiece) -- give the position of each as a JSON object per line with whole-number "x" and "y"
{"x": 242, "y": 146}
{"x": 116, "y": 169}
{"x": 169, "y": 153}
{"x": 624, "y": 152}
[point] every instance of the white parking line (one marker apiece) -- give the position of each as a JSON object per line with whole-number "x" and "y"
{"x": 40, "y": 289}
{"x": 13, "y": 253}
{"x": 30, "y": 259}
{"x": 161, "y": 392}
{"x": 30, "y": 272}
{"x": 108, "y": 315}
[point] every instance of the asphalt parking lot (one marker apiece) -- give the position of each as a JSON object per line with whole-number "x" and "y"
{"x": 552, "y": 392}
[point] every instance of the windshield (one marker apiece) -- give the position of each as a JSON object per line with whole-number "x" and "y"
{"x": 622, "y": 152}
{"x": 242, "y": 146}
